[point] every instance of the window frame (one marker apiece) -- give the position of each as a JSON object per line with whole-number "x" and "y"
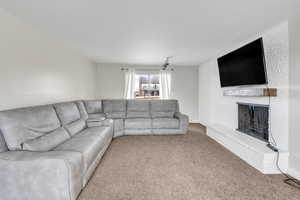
{"x": 148, "y": 73}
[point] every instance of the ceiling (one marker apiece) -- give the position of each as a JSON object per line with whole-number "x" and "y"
{"x": 146, "y": 31}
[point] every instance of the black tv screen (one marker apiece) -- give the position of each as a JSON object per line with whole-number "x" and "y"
{"x": 244, "y": 66}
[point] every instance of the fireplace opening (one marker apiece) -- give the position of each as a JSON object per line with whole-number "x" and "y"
{"x": 253, "y": 120}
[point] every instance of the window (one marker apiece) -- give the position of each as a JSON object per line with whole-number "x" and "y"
{"x": 147, "y": 85}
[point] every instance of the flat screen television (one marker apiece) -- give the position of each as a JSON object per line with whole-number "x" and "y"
{"x": 244, "y": 66}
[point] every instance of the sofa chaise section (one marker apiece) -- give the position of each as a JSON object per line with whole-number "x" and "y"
{"x": 48, "y": 152}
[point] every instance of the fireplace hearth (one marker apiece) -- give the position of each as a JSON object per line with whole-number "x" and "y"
{"x": 253, "y": 120}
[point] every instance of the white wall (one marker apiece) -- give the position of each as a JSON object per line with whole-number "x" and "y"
{"x": 185, "y": 90}
{"x": 36, "y": 69}
{"x": 110, "y": 84}
{"x": 294, "y": 111}
{"x": 214, "y": 108}
{"x": 110, "y": 81}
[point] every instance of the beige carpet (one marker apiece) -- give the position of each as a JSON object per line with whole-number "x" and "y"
{"x": 186, "y": 167}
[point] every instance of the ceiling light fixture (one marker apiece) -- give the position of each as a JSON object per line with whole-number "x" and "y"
{"x": 167, "y": 63}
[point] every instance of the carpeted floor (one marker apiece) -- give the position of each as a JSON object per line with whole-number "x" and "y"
{"x": 186, "y": 167}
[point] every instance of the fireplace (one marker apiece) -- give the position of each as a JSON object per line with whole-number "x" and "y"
{"x": 253, "y": 120}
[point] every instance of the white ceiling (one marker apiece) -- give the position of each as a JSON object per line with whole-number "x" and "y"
{"x": 146, "y": 31}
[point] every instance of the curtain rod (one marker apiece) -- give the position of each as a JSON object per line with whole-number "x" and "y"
{"x": 146, "y": 69}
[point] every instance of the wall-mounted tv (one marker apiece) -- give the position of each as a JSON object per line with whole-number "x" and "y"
{"x": 244, "y": 66}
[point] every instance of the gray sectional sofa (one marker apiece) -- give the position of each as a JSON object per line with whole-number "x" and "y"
{"x": 51, "y": 151}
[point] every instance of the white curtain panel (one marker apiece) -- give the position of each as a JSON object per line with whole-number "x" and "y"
{"x": 129, "y": 84}
{"x": 165, "y": 84}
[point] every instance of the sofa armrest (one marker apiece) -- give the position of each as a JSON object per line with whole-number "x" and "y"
{"x": 36, "y": 175}
{"x": 94, "y": 123}
{"x": 183, "y": 122}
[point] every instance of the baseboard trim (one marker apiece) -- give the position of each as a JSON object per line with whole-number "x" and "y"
{"x": 294, "y": 173}
{"x": 194, "y": 122}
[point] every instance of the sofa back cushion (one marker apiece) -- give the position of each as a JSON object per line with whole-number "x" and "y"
{"x": 163, "y": 108}
{"x": 47, "y": 142}
{"x": 20, "y": 125}
{"x": 114, "y": 108}
{"x": 3, "y": 146}
{"x": 138, "y": 109}
{"x": 67, "y": 112}
{"x": 72, "y": 116}
{"x": 93, "y": 106}
{"x": 82, "y": 110}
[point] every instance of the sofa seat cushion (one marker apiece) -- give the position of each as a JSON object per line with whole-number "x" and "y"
{"x": 165, "y": 123}
{"x": 95, "y": 132}
{"x": 138, "y": 109}
{"x": 138, "y": 123}
{"x": 75, "y": 127}
{"x": 47, "y": 142}
{"x": 20, "y": 125}
{"x": 106, "y": 122}
{"x": 89, "y": 142}
{"x": 163, "y": 108}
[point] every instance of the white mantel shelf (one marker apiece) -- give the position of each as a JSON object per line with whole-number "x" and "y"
{"x": 249, "y": 149}
{"x": 251, "y": 92}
